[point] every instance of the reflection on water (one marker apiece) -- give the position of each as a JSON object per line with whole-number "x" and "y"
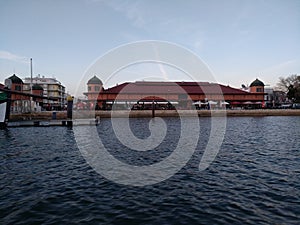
{"x": 255, "y": 178}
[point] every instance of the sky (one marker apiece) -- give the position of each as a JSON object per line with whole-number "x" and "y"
{"x": 237, "y": 40}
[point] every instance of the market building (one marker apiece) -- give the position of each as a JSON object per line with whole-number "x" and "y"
{"x": 167, "y": 95}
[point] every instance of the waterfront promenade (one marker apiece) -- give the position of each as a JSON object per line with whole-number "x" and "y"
{"x": 62, "y": 115}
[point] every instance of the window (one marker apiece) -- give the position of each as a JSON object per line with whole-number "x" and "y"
{"x": 259, "y": 90}
{"x": 89, "y": 88}
{"x": 18, "y": 88}
{"x": 97, "y": 88}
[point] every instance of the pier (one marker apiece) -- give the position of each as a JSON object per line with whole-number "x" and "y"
{"x": 50, "y": 123}
{"x": 45, "y": 119}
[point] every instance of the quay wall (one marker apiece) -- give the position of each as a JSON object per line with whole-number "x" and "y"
{"x": 48, "y": 115}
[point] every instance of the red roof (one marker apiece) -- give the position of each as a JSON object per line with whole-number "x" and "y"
{"x": 147, "y": 87}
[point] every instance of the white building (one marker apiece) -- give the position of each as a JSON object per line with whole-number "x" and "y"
{"x": 51, "y": 88}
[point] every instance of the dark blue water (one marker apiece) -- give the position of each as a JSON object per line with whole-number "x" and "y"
{"x": 255, "y": 178}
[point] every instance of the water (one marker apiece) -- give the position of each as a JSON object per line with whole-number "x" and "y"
{"x": 255, "y": 178}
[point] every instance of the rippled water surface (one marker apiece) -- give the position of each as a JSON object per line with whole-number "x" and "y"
{"x": 255, "y": 178}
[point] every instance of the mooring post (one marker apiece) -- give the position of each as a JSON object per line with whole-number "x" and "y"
{"x": 69, "y": 110}
{"x": 69, "y": 107}
{"x": 153, "y": 109}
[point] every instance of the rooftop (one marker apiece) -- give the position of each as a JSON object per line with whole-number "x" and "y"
{"x": 257, "y": 82}
{"x": 95, "y": 80}
{"x": 15, "y": 79}
{"x": 172, "y": 88}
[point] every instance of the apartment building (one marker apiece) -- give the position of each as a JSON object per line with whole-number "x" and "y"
{"x": 51, "y": 88}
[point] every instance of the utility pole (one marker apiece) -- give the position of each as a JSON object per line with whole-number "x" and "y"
{"x": 30, "y": 84}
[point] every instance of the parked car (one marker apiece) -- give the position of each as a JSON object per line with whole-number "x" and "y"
{"x": 286, "y": 106}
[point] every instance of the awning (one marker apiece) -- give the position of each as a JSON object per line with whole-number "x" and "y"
{"x": 224, "y": 103}
{"x": 197, "y": 103}
{"x": 120, "y": 103}
{"x": 200, "y": 103}
{"x": 160, "y": 103}
{"x": 248, "y": 103}
{"x": 212, "y": 102}
{"x": 124, "y": 103}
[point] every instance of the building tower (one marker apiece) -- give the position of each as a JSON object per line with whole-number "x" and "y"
{"x": 37, "y": 90}
{"x": 95, "y": 86}
{"x": 257, "y": 86}
{"x": 19, "y": 103}
{"x": 17, "y": 83}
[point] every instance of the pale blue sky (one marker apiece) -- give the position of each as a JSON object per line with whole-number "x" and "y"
{"x": 239, "y": 40}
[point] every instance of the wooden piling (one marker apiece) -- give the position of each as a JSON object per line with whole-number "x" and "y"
{"x": 153, "y": 109}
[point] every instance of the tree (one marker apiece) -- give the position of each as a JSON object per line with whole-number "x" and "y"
{"x": 291, "y": 86}
{"x": 285, "y": 83}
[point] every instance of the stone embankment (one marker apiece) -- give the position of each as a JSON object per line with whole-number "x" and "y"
{"x": 148, "y": 113}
